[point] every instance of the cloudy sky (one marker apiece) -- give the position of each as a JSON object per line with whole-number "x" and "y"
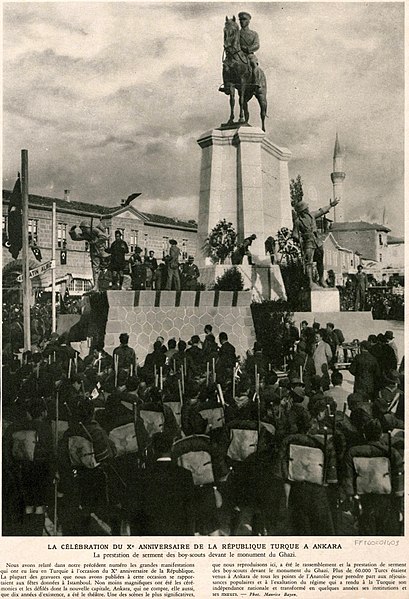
{"x": 110, "y": 98}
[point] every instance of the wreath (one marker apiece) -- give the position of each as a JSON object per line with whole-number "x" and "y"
{"x": 220, "y": 243}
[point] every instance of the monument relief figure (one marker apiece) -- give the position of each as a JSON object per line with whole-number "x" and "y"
{"x": 305, "y": 229}
{"x": 97, "y": 238}
{"x": 241, "y": 70}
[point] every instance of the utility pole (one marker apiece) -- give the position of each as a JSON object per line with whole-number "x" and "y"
{"x": 53, "y": 235}
{"x": 25, "y": 254}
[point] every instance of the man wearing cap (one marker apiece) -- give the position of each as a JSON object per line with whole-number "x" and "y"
{"x": 118, "y": 250}
{"x": 361, "y": 286}
{"x": 97, "y": 239}
{"x": 249, "y": 44}
{"x": 190, "y": 275}
{"x": 138, "y": 269}
{"x": 305, "y": 227}
{"x": 391, "y": 343}
{"x": 173, "y": 266}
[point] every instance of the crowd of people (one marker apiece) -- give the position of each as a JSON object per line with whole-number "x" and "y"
{"x": 382, "y": 299}
{"x": 192, "y": 440}
{"x": 146, "y": 271}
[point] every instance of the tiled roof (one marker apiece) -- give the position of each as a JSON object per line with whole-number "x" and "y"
{"x": 46, "y": 202}
{"x": 359, "y": 225}
{"x": 167, "y": 220}
{"x": 102, "y": 211}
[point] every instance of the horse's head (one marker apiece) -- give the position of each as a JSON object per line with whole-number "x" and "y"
{"x": 231, "y": 34}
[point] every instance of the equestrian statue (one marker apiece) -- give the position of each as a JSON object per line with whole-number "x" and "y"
{"x": 241, "y": 70}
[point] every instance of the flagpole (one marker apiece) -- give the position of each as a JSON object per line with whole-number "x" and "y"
{"x": 25, "y": 254}
{"x": 53, "y": 306}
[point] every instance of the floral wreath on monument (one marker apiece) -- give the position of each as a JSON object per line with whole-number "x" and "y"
{"x": 284, "y": 247}
{"x": 221, "y": 242}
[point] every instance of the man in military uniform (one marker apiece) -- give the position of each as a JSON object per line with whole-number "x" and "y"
{"x": 190, "y": 275}
{"x": 249, "y": 43}
{"x": 305, "y": 228}
{"x": 118, "y": 251}
{"x": 97, "y": 239}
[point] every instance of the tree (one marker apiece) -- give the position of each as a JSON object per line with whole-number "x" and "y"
{"x": 221, "y": 242}
{"x": 230, "y": 280}
{"x": 296, "y": 191}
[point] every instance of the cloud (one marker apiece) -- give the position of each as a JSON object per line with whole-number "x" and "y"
{"x": 111, "y": 97}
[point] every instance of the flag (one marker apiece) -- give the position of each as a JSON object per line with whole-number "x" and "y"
{"x": 15, "y": 220}
{"x": 37, "y": 252}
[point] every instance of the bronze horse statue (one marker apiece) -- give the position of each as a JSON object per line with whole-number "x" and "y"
{"x": 237, "y": 74}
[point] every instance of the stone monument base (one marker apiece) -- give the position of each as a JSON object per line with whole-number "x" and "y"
{"x": 243, "y": 179}
{"x": 145, "y": 315}
{"x": 321, "y": 300}
{"x": 264, "y": 282}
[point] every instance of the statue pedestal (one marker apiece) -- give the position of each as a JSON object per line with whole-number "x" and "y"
{"x": 244, "y": 179}
{"x": 264, "y": 282}
{"x": 325, "y": 300}
{"x": 146, "y": 314}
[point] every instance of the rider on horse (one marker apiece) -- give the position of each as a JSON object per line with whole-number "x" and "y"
{"x": 249, "y": 44}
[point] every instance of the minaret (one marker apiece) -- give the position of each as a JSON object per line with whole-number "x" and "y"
{"x": 337, "y": 178}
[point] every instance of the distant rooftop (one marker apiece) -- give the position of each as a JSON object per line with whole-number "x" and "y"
{"x": 101, "y": 211}
{"x": 359, "y": 225}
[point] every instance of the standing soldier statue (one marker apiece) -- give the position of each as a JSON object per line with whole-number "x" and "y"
{"x": 305, "y": 229}
{"x": 97, "y": 239}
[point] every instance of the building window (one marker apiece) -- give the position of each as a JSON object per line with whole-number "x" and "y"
{"x": 380, "y": 239}
{"x": 33, "y": 230}
{"x": 380, "y": 257}
{"x": 134, "y": 240}
{"x": 184, "y": 249}
{"x": 4, "y": 227}
{"x": 79, "y": 286}
{"x": 61, "y": 235}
